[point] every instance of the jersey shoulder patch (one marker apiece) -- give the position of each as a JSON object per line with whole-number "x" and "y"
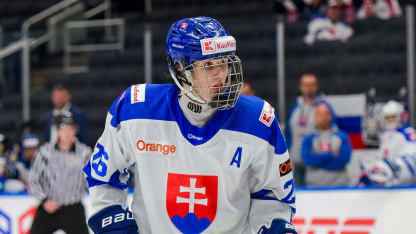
{"x": 257, "y": 117}
{"x": 143, "y": 101}
{"x": 256, "y": 111}
{"x": 138, "y": 93}
{"x": 267, "y": 114}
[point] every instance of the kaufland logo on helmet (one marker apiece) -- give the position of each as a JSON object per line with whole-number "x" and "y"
{"x": 209, "y": 45}
{"x": 218, "y": 45}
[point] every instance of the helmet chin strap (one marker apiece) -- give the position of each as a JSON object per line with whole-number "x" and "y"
{"x": 187, "y": 92}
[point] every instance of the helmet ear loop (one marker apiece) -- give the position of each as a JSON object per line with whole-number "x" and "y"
{"x": 177, "y": 69}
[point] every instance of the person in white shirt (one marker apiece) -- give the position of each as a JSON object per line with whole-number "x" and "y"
{"x": 329, "y": 27}
{"x": 398, "y": 138}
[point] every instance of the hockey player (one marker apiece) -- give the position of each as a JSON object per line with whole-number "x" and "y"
{"x": 389, "y": 172}
{"x": 206, "y": 159}
{"x": 398, "y": 138}
{"x": 397, "y": 164}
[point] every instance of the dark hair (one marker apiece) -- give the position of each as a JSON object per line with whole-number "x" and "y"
{"x": 61, "y": 87}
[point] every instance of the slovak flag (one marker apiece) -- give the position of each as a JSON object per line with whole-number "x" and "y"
{"x": 191, "y": 201}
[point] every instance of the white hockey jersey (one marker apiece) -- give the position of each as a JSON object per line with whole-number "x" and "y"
{"x": 400, "y": 142}
{"x": 232, "y": 175}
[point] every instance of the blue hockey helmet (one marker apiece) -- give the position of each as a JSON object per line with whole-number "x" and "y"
{"x": 192, "y": 40}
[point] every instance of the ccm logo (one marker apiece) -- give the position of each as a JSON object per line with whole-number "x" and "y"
{"x": 116, "y": 218}
{"x": 285, "y": 168}
{"x": 332, "y": 225}
{"x": 165, "y": 149}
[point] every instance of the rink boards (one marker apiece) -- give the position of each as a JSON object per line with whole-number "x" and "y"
{"x": 334, "y": 211}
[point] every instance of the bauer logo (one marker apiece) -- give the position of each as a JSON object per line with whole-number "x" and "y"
{"x": 162, "y": 148}
{"x": 117, "y": 218}
{"x": 267, "y": 114}
{"x": 218, "y": 45}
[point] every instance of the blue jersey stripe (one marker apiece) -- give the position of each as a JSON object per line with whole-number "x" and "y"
{"x": 114, "y": 179}
{"x": 162, "y": 104}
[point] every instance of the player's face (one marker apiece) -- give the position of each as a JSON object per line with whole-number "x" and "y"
{"x": 209, "y": 78}
{"x": 322, "y": 117}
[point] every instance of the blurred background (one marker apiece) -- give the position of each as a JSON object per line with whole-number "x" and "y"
{"x": 373, "y": 57}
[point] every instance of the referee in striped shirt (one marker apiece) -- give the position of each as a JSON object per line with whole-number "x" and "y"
{"x": 57, "y": 180}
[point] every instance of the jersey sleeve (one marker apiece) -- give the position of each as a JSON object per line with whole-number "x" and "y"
{"x": 272, "y": 185}
{"x": 36, "y": 175}
{"x": 106, "y": 171}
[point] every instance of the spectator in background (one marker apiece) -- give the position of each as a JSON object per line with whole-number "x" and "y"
{"x": 61, "y": 99}
{"x": 326, "y": 152}
{"x": 397, "y": 138}
{"x": 301, "y": 122}
{"x": 19, "y": 169}
{"x": 382, "y": 9}
{"x": 397, "y": 162}
{"x": 57, "y": 180}
{"x": 329, "y": 27}
{"x": 8, "y": 156}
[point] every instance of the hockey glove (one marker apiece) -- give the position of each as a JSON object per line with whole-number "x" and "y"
{"x": 278, "y": 227}
{"x": 113, "y": 220}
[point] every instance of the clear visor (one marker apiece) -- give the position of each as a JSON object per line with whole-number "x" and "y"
{"x": 216, "y": 81}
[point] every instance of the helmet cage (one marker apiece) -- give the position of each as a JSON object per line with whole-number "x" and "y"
{"x": 221, "y": 97}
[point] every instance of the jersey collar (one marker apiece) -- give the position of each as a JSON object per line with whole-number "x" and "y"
{"x": 198, "y": 135}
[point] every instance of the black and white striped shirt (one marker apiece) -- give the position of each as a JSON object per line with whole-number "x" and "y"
{"x": 58, "y": 175}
